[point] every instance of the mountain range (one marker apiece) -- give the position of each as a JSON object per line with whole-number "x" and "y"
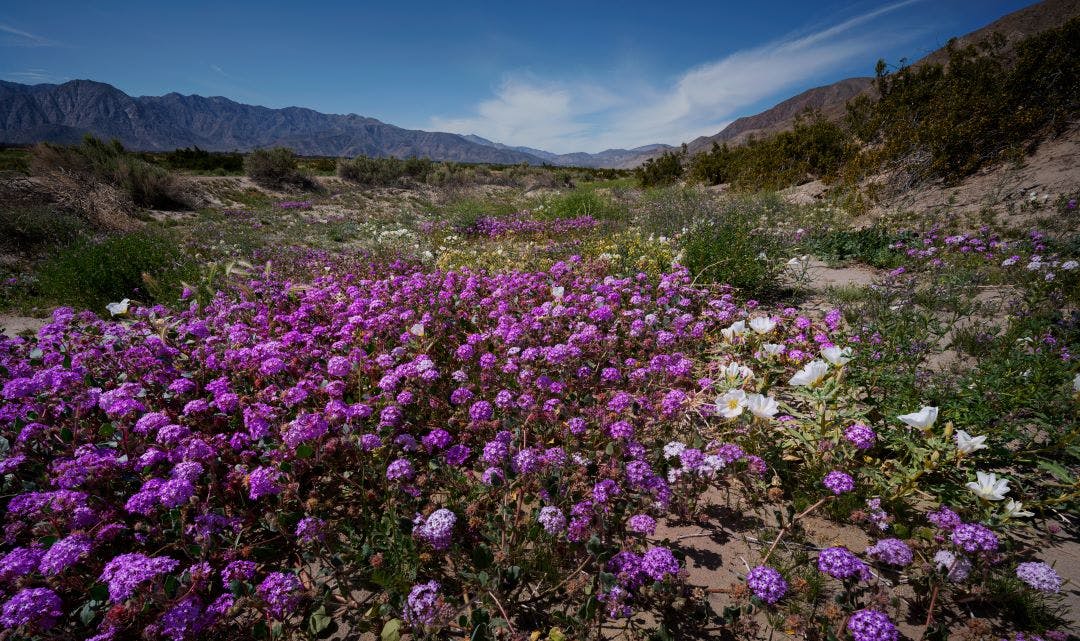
{"x": 64, "y": 113}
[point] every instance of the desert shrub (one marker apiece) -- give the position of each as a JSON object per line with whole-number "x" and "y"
{"x": 579, "y": 202}
{"x": 30, "y": 227}
{"x": 202, "y": 161}
{"x": 663, "y": 170}
{"x": 276, "y": 168}
{"x": 668, "y": 211}
{"x": 389, "y": 172}
{"x": 814, "y": 149}
{"x": 871, "y": 245}
{"x": 735, "y": 244}
{"x": 144, "y": 265}
{"x": 983, "y": 105}
{"x": 14, "y": 159}
{"x": 95, "y": 161}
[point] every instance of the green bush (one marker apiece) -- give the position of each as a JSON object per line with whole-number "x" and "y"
{"x": 734, "y": 244}
{"x": 869, "y": 245}
{"x": 666, "y": 169}
{"x": 276, "y": 168}
{"x": 814, "y": 149}
{"x": 146, "y": 184}
{"x": 202, "y": 161}
{"x": 579, "y": 202}
{"x": 28, "y": 227}
{"x": 386, "y": 172}
{"x": 147, "y": 266}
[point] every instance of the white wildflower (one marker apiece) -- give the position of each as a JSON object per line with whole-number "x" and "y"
{"x": 989, "y": 487}
{"x": 810, "y": 374}
{"x": 923, "y": 419}
{"x": 966, "y": 443}
{"x": 731, "y": 404}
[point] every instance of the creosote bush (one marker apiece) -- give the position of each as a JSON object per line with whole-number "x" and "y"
{"x": 276, "y": 168}
{"x": 145, "y": 184}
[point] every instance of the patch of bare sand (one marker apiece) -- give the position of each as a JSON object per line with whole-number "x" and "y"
{"x": 20, "y": 325}
{"x": 822, "y": 276}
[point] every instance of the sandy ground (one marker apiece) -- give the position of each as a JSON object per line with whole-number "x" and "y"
{"x": 1049, "y": 173}
{"x": 20, "y": 325}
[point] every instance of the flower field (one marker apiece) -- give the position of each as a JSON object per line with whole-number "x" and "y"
{"x": 499, "y": 430}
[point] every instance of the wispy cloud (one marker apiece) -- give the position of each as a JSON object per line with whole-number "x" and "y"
{"x": 13, "y": 37}
{"x": 562, "y": 116}
{"x": 32, "y": 76}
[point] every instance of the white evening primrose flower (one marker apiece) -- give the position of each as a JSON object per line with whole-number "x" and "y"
{"x": 557, "y": 292}
{"x": 838, "y": 356}
{"x": 966, "y": 443}
{"x": 772, "y": 349}
{"x": 810, "y": 374}
{"x": 762, "y": 406}
{"x": 738, "y": 328}
{"x": 118, "y": 309}
{"x": 762, "y": 324}
{"x": 923, "y": 419}
{"x": 989, "y": 487}
{"x": 731, "y": 404}
{"x": 1015, "y": 509}
{"x": 735, "y": 371}
{"x": 417, "y": 329}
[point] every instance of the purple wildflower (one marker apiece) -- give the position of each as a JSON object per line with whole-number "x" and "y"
{"x": 767, "y": 584}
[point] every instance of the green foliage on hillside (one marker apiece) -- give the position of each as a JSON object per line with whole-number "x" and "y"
{"x": 982, "y": 106}
{"x": 986, "y": 104}
{"x": 815, "y": 148}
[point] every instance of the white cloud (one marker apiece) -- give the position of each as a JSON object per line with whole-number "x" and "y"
{"x": 13, "y": 37}
{"x": 564, "y": 117}
{"x": 32, "y": 76}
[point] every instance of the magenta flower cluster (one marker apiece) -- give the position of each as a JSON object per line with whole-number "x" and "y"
{"x": 159, "y": 451}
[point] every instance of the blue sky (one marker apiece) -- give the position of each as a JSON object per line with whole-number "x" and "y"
{"x": 562, "y": 76}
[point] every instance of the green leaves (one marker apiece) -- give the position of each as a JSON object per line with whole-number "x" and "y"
{"x": 391, "y": 630}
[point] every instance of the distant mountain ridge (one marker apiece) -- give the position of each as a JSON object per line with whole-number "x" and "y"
{"x": 615, "y": 158}
{"x": 64, "y": 113}
{"x": 830, "y": 100}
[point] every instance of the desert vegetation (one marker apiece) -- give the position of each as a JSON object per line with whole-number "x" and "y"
{"x": 935, "y": 120}
{"x": 279, "y": 397}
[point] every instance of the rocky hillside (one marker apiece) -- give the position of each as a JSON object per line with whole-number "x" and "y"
{"x": 832, "y": 99}
{"x": 64, "y": 113}
{"x": 829, "y": 100}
